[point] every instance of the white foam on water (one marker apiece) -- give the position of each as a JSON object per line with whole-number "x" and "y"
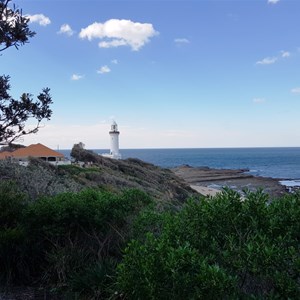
{"x": 290, "y": 183}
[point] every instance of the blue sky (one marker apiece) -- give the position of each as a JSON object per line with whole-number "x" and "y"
{"x": 171, "y": 73}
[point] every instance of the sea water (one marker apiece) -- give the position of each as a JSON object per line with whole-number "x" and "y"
{"x": 280, "y": 163}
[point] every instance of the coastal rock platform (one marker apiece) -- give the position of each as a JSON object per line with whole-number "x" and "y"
{"x": 237, "y": 180}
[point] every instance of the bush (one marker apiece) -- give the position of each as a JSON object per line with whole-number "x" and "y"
{"x": 223, "y": 247}
{"x": 95, "y": 281}
{"x": 38, "y": 179}
{"x": 12, "y": 203}
{"x": 157, "y": 270}
{"x": 72, "y": 229}
{"x": 12, "y": 238}
{"x": 57, "y": 240}
{"x": 220, "y": 247}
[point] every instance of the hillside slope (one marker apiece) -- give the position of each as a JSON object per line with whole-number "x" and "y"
{"x": 40, "y": 178}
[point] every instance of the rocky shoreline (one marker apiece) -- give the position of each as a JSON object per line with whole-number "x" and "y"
{"x": 238, "y": 180}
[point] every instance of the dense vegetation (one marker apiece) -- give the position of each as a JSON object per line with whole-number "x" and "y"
{"x": 216, "y": 248}
{"x": 96, "y": 244}
{"x": 71, "y": 241}
{"x": 41, "y": 178}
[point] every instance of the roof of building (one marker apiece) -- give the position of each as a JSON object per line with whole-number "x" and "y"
{"x": 5, "y": 154}
{"x": 34, "y": 150}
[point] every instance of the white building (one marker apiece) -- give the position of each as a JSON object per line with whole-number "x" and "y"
{"x": 114, "y": 142}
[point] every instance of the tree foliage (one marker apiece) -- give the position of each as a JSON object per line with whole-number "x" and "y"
{"x": 80, "y": 154}
{"x": 12, "y": 147}
{"x": 14, "y": 30}
{"x": 14, "y": 113}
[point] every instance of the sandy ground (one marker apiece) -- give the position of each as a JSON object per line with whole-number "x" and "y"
{"x": 209, "y": 181}
{"x": 206, "y": 191}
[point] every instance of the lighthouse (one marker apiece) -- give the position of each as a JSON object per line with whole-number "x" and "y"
{"x": 114, "y": 141}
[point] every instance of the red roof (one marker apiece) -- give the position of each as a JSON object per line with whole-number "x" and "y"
{"x": 35, "y": 150}
{"x": 5, "y": 154}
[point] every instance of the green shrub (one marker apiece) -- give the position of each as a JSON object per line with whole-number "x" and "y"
{"x": 73, "y": 230}
{"x": 56, "y": 239}
{"x": 13, "y": 263}
{"x": 95, "y": 281}
{"x": 238, "y": 247}
{"x": 222, "y": 247}
{"x": 12, "y": 203}
{"x": 12, "y": 238}
{"x": 71, "y": 169}
{"x": 156, "y": 270}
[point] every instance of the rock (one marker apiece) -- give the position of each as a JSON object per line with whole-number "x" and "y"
{"x": 235, "y": 179}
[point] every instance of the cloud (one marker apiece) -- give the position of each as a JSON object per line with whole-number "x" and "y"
{"x": 112, "y": 44}
{"x": 76, "y": 77}
{"x": 285, "y": 54}
{"x": 40, "y": 19}
{"x": 258, "y": 100}
{"x": 103, "y": 70}
{"x": 267, "y": 61}
{"x": 116, "y": 33}
{"x": 181, "y": 41}
{"x": 295, "y": 90}
{"x": 271, "y": 60}
{"x": 114, "y": 61}
{"x": 66, "y": 29}
{"x": 273, "y": 1}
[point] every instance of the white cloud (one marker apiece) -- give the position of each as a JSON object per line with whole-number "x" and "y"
{"x": 40, "y": 19}
{"x": 103, "y": 70}
{"x": 112, "y": 44}
{"x": 267, "y": 61}
{"x": 285, "y": 54}
{"x": 271, "y": 60}
{"x": 115, "y": 33}
{"x": 273, "y": 1}
{"x": 258, "y": 100}
{"x": 114, "y": 61}
{"x": 295, "y": 90}
{"x": 76, "y": 77}
{"x": 66, "y": 29}
{"x": 181, "y": 41}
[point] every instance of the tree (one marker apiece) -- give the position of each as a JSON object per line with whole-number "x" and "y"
{"x": 80, "y": 154}
{"x": 14, "y": 31}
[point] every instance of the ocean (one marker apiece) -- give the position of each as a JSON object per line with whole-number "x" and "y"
{"x": 280, "y": 163}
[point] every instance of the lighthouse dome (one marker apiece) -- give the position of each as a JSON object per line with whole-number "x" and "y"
{"x": 114, "y": 127}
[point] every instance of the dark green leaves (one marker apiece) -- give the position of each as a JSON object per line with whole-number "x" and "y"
{"x": 14, "y": 30}
{"x": 15, "y": 113}
{"x": 216, "y": 248}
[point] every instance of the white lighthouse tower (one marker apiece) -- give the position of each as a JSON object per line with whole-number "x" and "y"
{"x": 114, "y": 141}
